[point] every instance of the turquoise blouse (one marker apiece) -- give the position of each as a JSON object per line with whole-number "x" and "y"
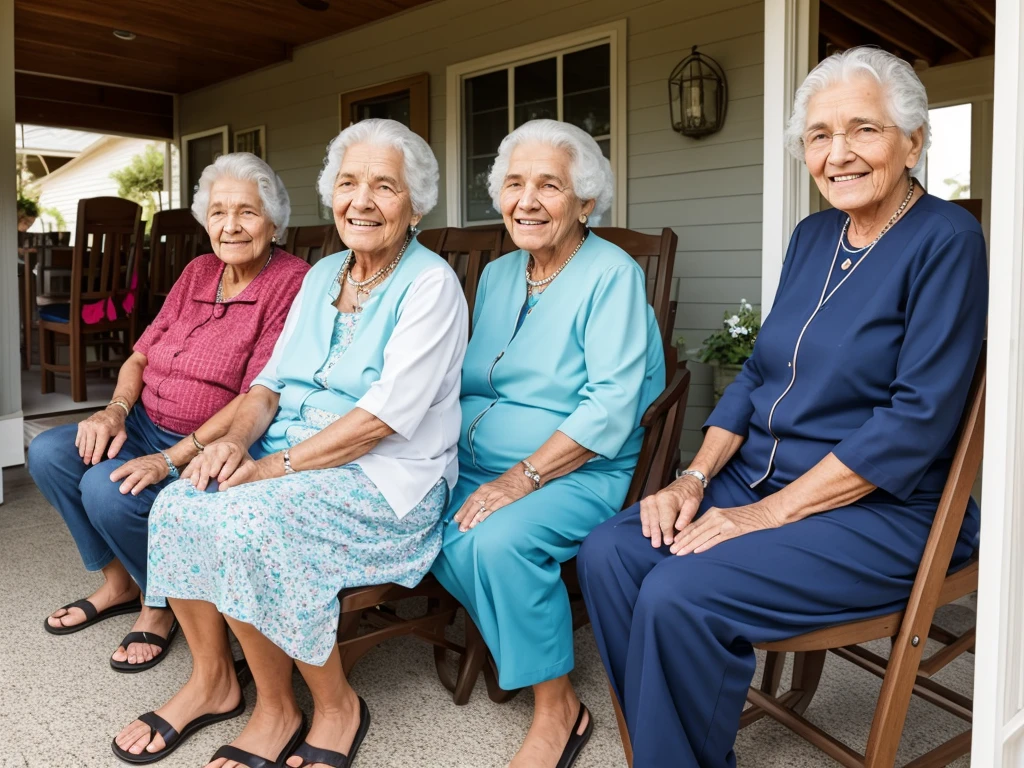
{"x": 587, "y": 361}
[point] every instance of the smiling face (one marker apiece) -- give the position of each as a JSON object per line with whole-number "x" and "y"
{"x": 867, "y": 165}
{"x": 372, "y": 206}
{"x": 240, "y": 230}
{"x": 538, "y": 204}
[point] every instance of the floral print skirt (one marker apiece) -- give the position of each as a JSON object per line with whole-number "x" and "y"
{"x": 275, "y": 553}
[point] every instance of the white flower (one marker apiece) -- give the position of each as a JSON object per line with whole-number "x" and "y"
{"x": 734, "y": 332}
{"x": 731, "y": 322}
{"x": 743, "y": 330}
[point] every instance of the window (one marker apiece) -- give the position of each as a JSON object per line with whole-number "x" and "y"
{"x": 406, "y": 100}
{"x": 575, "y": 79}
{"x": 948, "y": 164}
{"x": 198, "y": 150}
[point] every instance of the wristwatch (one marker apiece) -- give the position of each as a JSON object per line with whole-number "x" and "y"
{"x": 694, "y": 473}
{"x": 531, "y": 472}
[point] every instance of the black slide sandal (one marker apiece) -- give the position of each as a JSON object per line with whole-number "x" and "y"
{"x": 312, "y": 755}
{"x": 145, "y": 637}
{"x": 577, "y": 741}
{"x": 172, "y": 739}
{"x": 91, "y": 615}
{"x": 255, "y": 761}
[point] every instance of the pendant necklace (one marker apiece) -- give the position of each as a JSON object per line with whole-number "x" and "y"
{"x": 364, "y": 287}
{"x": 842, "y": 236}
{"x": 219, "y": 299}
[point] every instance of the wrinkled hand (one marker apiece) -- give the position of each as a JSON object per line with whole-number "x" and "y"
{"x": 670, "y": 510}
{"x": 718, "y": 525}
{"x": 250, "y": 470}
{"x": 218, "y": 461}
{"x": 492, "y": 496}
{"x": 95, "y": 432}
{"x": 140, "y": 473}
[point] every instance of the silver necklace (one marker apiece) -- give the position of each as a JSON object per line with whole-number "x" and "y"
{"x": 892, "y": 220}
{"x": 220, "y": 283}
{"x": 364, "y": 287}
{"x": 538, "y": 283}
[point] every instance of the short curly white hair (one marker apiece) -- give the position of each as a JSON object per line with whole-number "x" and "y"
{"x": 592, "y": 177}
{"x": 906, "y": 97}
{"x": 418, "y": 161}
{"x": 245, "y": 166}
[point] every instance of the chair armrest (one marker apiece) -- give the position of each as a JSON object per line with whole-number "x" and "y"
{"x": 672, "y": 394}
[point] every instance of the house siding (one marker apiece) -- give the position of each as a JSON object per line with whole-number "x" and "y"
{"x": 707, "y": 190}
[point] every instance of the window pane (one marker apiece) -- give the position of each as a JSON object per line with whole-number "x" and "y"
{"x": 591, "y": 111}
{"x": 536, "y": 91}
{"x": 948, "y": 165}
{"x": 587, "y": 69}
{"x": 393, "y": 107}
{"x": 486, "y": 123}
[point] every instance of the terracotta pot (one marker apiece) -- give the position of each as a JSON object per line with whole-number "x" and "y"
{"x": 24, "y": 222}
{"x": 723, "y": 375}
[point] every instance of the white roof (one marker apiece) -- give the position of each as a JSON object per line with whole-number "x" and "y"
{"x": 41, "y": 140}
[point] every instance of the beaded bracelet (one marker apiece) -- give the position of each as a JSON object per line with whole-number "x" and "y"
{"x": 120, "y": 404}
{"x": 172, "y": 471}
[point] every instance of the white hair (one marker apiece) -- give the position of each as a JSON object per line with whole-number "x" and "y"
{"x": 245, "y": 166}
{"x": 906, "y": 98}
{"x": 592, "y": 177}
{"x": 418, "y": 162}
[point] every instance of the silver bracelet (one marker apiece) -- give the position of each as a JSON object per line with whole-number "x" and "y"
{"x": 172, "y": 471}
{"x": 532, "y": 473}
{"x": 120, "y": 404}
{"x": 694, "y": 473}
{"x": 288, "y": 462}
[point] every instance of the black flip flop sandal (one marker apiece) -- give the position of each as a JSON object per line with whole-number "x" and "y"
{"x": 172, "y": 739}
{"x": 145, "y": 637}
{"x": 91, "y": 615}
{"x": 577, "y": 741}
{"x": 250, "y": 760}
{"x": 312, "y": 755}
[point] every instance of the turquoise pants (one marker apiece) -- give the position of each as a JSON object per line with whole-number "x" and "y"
{"x": 507, "y": 570}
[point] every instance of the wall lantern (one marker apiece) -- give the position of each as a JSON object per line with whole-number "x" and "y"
{"x": 697, "y": 95}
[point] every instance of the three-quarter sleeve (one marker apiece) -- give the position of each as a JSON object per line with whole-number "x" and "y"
{"x": 946, "y": 310}
{"x": 735, "y": 408}
{"x": 615, "y": 341}
{"x": 267, "y": 376}
{"x": 426, "y": 346}
{"x": 169, "y": 312}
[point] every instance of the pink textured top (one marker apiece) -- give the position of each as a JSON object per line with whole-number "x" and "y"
{"x": 201, "y": 353}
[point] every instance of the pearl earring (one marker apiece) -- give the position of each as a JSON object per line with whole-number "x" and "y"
{"x": 583, "y": 218}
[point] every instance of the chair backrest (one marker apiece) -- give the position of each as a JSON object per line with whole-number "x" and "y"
{"x": 310, "y": 243}
{"x": 468, "y": 251}
{"x": 175, "y": 239}
{"x": 108, "y": 242}
{"x": 332, "y": 243}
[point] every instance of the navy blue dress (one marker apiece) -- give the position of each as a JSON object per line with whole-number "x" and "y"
{"x": 872, "y": 363}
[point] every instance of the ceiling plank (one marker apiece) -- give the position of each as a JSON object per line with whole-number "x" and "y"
{"x": 846, "y": 34}
{"x": 891, "y": 25}
{"x": 183, "y": 31}
{"x": 987, "y": 9}
{"x": 941, "y": 22}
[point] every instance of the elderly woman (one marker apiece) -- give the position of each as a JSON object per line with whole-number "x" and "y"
{"x": 355, "y": 421}
{"x": 812, "y": 496}
{"x": 565, "y": 357}
{"x": 214, "y": 333}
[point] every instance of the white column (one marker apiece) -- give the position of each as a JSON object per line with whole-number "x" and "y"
{"x": 11, "y": 423}
{"x": 790, "y": 48}
{"x": 998, "y": 740}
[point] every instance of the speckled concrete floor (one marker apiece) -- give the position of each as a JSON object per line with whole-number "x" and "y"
{"x": 60, "y": 703}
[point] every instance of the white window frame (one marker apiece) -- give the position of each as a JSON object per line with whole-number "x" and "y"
{"x": 613, "y": 33}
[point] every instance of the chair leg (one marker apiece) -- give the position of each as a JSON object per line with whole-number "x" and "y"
{"x": 46, "y": 357}
{"x": 807, "y": 668}
{"x": 893, "y": 703}
{"x": 77, "y": 361}
{"x": 627, "y": 746}
{"x": 471, "y": 664}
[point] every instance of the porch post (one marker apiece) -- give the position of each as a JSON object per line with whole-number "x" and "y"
{"x": 790, "y": 48}
{"x": 999, "y": 658}
{"x": 11, "y": 426}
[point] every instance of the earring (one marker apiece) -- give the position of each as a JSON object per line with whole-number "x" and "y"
{"x": 413, "y": 229}
{"x": 583, "y": 218}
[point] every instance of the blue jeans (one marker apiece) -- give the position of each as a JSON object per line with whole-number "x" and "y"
{"x": 104, "y": 522}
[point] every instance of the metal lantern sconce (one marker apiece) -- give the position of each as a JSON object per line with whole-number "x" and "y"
{"x": 697, "y": 95}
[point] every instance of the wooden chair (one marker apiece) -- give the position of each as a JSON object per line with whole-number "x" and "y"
{"x": 310, "y": 243}
{"x": 468, "y": 251}
{"x": 904, "y": 673}
{"x": 41, "y": 254}
{"x": 175, "y": 239}
{"x": 107, "y": 246}
{"x": 662, "y": 422}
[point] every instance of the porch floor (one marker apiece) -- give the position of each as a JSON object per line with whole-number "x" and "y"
{"x": 60, "y": 702}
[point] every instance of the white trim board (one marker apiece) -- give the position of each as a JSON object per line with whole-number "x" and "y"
{"x": 12, "y": 440}
{"x": 614, "y": 33}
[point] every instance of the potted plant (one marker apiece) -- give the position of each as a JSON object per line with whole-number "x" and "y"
{"x": 28, "y": 209}
{"x": 726, "y": 350}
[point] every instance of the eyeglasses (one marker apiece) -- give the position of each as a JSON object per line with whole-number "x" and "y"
{"x": 857, "y": 135}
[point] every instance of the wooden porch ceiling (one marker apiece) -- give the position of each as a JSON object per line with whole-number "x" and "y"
{"x": 928, "y": 31}
{"x": 180, "y": 45}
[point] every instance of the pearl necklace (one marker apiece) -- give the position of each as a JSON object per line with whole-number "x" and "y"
{"x": 892, "y": 220}
{"x": 538, "y": 283}
{"x": 364, "y": 287}
{"x": 219, "y": 299}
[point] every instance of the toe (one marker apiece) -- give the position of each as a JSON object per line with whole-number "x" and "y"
{"x": 120, "y": 654}
{"x": 294, "y": 761}
{"x": 156, "y": 744}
